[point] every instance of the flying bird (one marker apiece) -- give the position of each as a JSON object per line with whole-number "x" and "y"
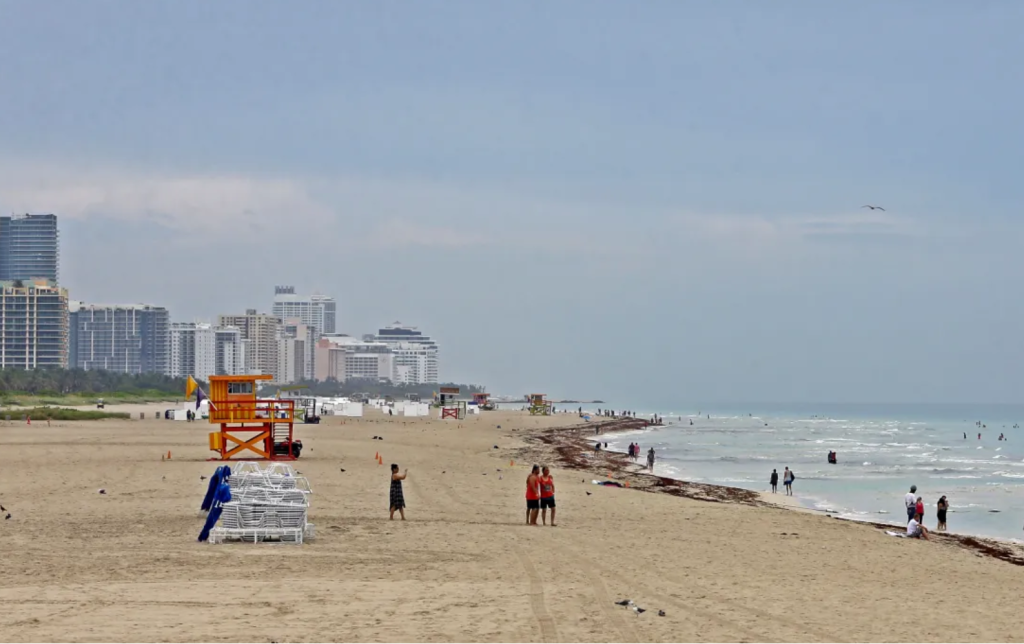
{"x": 874, "y": 208}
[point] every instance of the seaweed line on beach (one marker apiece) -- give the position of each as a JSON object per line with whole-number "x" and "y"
{"x": 571, "y": 447}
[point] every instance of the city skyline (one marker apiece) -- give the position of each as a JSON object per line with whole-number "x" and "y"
{"x": 657, "y": 202}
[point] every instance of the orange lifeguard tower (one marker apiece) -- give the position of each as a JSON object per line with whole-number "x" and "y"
{"x": 248, "y": 424}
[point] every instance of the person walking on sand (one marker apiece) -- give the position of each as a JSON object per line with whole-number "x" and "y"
{"x": 397, "y": 498}
{"x": 547, "y": 497}
{"x": 910, "y": 500}
{"x": 533, "y": 495}
{"x": 940, "y": 512}
{"x": 774, "y": 480}
{"x": 787, "y": 481}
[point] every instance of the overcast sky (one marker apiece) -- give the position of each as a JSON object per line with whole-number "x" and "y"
{"x": 652, "y": 202}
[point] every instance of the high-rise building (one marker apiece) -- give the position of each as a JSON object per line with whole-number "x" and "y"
{"x": 201, "y": 350}
{"x": 29, "y": 248}
{"x": 342, "y": 358}
{"x": 33, "y": 325}
{"x": 416, "y": 354}
{"x": 129, "y": 338}
{"x": 318, "y": 311}
{"x": 295, "y": 352}
{"x": 259, "y": 330}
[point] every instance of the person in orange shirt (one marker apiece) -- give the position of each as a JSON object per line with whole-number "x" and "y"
{"x": 533, "y": 495}
{"x": 547, "y": 497}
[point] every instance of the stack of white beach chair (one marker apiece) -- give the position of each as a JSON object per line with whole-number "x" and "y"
{"x": 267, "y": 504}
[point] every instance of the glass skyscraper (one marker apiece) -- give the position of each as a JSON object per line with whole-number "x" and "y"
{"x": 28, "y": 248}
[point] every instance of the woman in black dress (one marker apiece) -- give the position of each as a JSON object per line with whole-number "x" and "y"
{"x": 397, "y": 498}
{"x": 940, "y": 511}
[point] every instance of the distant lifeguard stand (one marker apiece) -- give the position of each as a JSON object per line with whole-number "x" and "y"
{"x": 483, "y": 401}
{"x": 450, "y": 406}
{"x": 539, "y": 405}
{"x": 257, "y": 429}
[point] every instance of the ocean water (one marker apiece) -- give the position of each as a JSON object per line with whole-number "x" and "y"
{"x": 882, "y": 451}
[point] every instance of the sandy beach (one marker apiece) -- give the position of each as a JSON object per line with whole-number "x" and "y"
{"x": 125, "y": 566}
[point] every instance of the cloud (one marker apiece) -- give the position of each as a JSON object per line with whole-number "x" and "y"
{"x": 218, "y": 205}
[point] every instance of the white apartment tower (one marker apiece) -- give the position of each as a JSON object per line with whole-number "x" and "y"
{"x": 415, "y": 354}
{"x": 202, "y": 350}
{"x": 317, "y": 311}
{"x": 259, "y": 333}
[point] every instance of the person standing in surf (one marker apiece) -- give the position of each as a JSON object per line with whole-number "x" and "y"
{"x": 787, "y": 480}
{"x": 774, "y": 480}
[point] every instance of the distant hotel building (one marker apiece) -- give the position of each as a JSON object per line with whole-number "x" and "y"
{"x": 202, "y": 350}
{"x": 342, "y": 358}
{"x": 259, "y": 331}
{"x": 317, "y": 311}
{"x": 33, "y": 324}
{"x": 416, "y": 354}
{"x": 296, "y": 346}
{"x": 399, "y": 354}
{"x": 130, "y": 338}
{"x": 29, "y": 248}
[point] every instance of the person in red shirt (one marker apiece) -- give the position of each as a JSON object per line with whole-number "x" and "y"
{"x": 533, "y": 495}
{"x": 920, "y": 509}
{"x": 547, "y": 497}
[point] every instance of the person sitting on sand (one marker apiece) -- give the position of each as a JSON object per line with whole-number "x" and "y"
{"x": 533, "y": 495}
{"x": 547, "y": 497}
{"x": 774, "y": 480}
{"x": 915, "y": 530}
{"x": 397, "y": 498}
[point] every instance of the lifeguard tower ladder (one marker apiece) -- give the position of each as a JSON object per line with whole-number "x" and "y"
{"x": 257, "y": 429}
{"x": 539, "y": 405}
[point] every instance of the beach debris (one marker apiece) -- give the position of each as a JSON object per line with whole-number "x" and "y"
{"x": 624, "y": 602}
{"x": 202, "y": 477}
{"x": 589, "y": 493}
{"x": 8, "y": 516}
{"x": 102, "y": 491}
{"x": 444, "y": 471}
{"x": 661, "y": 613}
{"x": 3, "y": 509}
{"x": 495, "y": 447}
{"x": 342, "y": 469}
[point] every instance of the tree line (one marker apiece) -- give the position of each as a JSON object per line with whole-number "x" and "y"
{"x": 57, "y": 382}
{"x": 79, "y": 381}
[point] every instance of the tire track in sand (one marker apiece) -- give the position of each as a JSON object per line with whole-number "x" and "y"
{"x": 548, "y": 631}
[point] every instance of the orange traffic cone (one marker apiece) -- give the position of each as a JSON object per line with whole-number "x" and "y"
{"x": 511, "y": 463}
{"x": 380, "y": 461}
{"x": 376, "y": 455}
{"x": 168, "y": 455}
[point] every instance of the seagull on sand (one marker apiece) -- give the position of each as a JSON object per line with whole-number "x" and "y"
{"x": 874, "y": 208}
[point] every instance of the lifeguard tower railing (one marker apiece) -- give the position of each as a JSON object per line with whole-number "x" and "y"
{"x": 252, "y": 411}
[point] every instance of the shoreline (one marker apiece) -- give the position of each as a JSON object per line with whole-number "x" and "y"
{"x": 571, "y": 447}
